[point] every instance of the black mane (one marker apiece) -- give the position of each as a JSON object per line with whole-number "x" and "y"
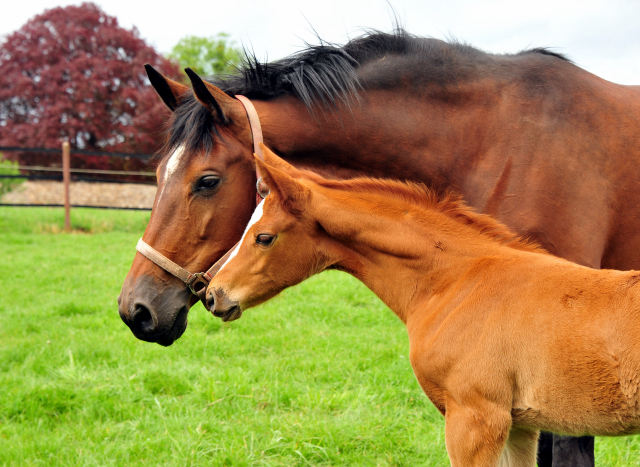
{"x": 328, "y": 75}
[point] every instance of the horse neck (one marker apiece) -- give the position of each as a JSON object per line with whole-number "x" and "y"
{"x": 403, "y": 253}
{"x": 387, "y": 133}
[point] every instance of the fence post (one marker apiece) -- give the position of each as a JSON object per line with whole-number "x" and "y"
{"x": 66, "y": 177}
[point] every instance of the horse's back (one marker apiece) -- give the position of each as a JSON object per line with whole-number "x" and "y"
{"x": 567, "y": 174}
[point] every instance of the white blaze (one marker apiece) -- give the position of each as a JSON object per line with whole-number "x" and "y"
{"x": 173, "y": 161}
{"x": 255, "y": 217}
{"x": 172, "y": 165}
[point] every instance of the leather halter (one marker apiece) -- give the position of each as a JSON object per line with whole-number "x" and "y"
{"x": 198, "y": 282}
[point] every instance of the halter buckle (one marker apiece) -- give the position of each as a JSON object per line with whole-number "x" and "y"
{"x": 260, "y": 186}
{"x": 198, "y": 283}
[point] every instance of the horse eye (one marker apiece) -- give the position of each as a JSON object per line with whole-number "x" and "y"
{"x": 265, "y": 239}
{"x": 207, "y": 182}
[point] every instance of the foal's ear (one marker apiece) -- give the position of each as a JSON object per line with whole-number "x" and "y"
{"x": 273, "y": 160}
{"x": 170, "y": 91}
{"x": 292, "y": 194}
{"x": 224, "y": 108}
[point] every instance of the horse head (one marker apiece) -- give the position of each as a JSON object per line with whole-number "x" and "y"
{"x": 282, "y": 245}
{"x": 205, "y": 196}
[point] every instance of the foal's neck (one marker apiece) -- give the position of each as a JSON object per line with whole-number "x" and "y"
{"x": 403, "y": 252}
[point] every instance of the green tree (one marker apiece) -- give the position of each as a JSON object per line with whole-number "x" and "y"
{"x": 73, "y": 73}
{"x": 207, "y": 56}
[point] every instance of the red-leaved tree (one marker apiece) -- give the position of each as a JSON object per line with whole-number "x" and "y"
{"x": 72, "y": 74}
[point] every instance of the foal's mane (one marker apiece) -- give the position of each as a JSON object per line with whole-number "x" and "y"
{"x": 419, "y": 195}
{"x": 327, "y": 75}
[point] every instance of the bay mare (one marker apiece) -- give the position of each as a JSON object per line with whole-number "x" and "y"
{"x": 505, "y": 338}
{"x": 548, "y": 148}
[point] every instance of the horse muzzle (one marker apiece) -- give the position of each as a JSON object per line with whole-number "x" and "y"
{"x": 152, "y": 316}
{"x": 222, "y": 306}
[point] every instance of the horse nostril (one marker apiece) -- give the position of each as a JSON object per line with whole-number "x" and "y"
{"x": 142, "y": 320}
{"x": 211, "y": 301}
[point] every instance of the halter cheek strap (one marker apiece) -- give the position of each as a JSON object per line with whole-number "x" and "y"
{"x": 256, "y": 135}
{"x": 256, "y": 128}
{"x": 198, "y": 282}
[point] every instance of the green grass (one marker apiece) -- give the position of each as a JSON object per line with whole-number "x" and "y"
{"x": 318, "y": 376}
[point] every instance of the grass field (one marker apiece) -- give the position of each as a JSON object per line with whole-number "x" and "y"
{"x": 317, "y": 377}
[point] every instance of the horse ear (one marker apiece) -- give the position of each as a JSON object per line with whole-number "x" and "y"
{"x": 170, "y": 91}
{"x": 292, "y": 194}
{"x": 273, "y": 160}
{"x": 204, "y": 95}
{"x": 215, "y": 100}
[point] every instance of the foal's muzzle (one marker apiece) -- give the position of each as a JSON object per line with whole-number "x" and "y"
{"x": 222, "y": 306}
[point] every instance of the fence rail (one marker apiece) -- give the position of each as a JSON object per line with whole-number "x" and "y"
{"x": 39, "y": 168}
{"x": 120, "y": 208}
{"x": 58, "y": 178}
{"x": 36, "y": 168}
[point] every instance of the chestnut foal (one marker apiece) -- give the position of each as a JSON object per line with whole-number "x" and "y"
{"x": 506, "y": 339}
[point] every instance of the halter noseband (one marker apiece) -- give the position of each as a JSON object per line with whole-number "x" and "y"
{"x": 198, "y": 282}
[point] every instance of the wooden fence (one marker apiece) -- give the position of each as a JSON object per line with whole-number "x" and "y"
{"x": 66, "y": 171}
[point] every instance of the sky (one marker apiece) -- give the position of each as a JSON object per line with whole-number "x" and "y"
{"x": 602, "y": 36}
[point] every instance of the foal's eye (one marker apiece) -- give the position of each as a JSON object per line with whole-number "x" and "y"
{"x": 265, "y": 239}
{"x": 207, "y": 182}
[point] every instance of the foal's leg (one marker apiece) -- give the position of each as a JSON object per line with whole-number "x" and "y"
{"x": 476, "y": 436}
{"x": 520, "y": 449}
